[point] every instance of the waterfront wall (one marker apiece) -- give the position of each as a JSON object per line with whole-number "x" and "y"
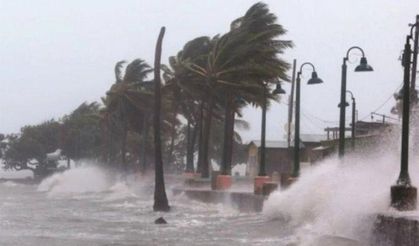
{"x": 393, "y": 230}
{"x": 242, "y": 201}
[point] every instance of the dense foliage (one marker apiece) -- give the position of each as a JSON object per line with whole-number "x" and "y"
{"x": 204, "y": 87}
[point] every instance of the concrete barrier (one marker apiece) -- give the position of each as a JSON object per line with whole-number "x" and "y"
{"x": 242, "y": 201}
{"x": 396, "y": 230}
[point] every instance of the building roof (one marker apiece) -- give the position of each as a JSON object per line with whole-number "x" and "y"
{"x": 307, "y": 138}
{"x": 275, "y": 144}
{"x": 271, "y": 144}
{"x": 313, "y": 138}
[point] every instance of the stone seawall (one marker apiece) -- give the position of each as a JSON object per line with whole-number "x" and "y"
{"x": 396, "y": 230}
{"x": 242, "y": 201}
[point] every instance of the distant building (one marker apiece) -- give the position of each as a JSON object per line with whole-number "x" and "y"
{"x": 364, "y": 128}
{"x": 279, "y": 157}
{"x": 368, "y": 135}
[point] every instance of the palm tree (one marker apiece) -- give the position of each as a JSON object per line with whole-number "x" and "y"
{"x": 160, "y": 198}
{"x": 238, "y": 64}
{"x": 128, "y": 100}
{"x": 187, "y": 92}
{"x": 258, "y": 24}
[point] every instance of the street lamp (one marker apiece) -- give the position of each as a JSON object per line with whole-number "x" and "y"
{"x": 278, "y": 90}
{"x": 362, "y": 67}
{"x": 313, "y": 80}
{"x": 262, "y": 176}
{"x": 262, "y": 165}
{"x": 403, "y": 194}
{"x": 415, "y": 37}
{"x": 353, "y": 118}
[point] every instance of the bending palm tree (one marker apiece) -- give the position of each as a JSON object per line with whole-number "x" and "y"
{"x": 160, "y": 198}
{"x": 127, "y": 100}
{"x": 238, "y": 64}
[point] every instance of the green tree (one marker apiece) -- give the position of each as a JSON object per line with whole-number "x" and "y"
{"x": 186, "y": 89}
{"x": 82, "y": 135}
{"x": 29, "y": 149}
{"x": 128, "y": 101}
{"x": 239, "y": 64}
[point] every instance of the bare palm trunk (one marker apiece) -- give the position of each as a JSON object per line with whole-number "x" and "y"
{"x": 191, "y": 136}
{"x": 105, "y": 143}
{"x": 200, "y": 140}
{"x": 172, "y": 140}
{"x": 144, "y": 144}
{"x": 160, "y": 198}
{"x": 228, "y": 137}
{"x": 206, "y": 138}
{"x": 124, "y": 167}
{"x": 111, "y": 150}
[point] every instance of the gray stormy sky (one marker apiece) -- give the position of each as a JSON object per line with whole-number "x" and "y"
{"x": 56, "y": 54}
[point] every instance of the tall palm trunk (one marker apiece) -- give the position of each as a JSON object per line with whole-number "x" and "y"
{"x": 228, "y": 136}
{"x": 206, "y": 132}
{"x": 144, "y": 144}
{"x": 172, "y": 138}
{"x": 191, "y": 136}
{"x": 160, "y": 198}
{"x": 124, "y": 166}
{"x": 105, "y": 143}
{"x": 110, "y": 149}
{"x": 200, "y": 126}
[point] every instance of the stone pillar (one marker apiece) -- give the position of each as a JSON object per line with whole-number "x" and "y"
{"x": 224, "y": 182}
{"x": 403, "y": 197}
{"x": 268, "y": 188}
{"x": 259, "y": 181}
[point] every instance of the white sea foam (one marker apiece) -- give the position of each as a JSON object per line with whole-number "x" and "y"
{"x": 9, "y": 184}
{"x": 76, "y": 181}
{"x": 119, "y": 191}
{"x": 338, "y": 198}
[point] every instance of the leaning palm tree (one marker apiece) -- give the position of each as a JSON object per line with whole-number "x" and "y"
{"x": 160, "y": 198}
{"x": 127, "y": 99}
{"x": 239, "y": 64}
{"x": 188, "y": 93}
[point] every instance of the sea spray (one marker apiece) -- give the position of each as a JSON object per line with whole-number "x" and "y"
{"x": 339, "y": 198}
{"x": 94, "y": 179}
{"x": 76, "y": 180}
{"x": 119, "y": 191}
{"x": 9, "y": 184}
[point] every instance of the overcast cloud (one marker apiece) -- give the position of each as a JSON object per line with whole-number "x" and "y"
{"x": 54, "y": 55}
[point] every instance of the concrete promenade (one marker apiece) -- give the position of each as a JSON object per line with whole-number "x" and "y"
{"x": 242, "y": 201}
{"x": 396, "y": 229}
{"x": 390, "y": 229}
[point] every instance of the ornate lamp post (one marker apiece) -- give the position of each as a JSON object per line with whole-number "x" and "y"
{"x": 362, "y": 67}
{"x": 403, "y": 194}
{"x": 415, "y": 57}
{"x": 313, "y": 80}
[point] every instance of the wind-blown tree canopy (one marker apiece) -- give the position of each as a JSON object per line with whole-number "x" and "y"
{"x": 128, "y": 101}
{"x": 240, "y": 62}
{"x": 184, "y": 88}
{"x": 131, "y": 93}
{"x": 82, "y": 135}
{"x": 28, "y": 150}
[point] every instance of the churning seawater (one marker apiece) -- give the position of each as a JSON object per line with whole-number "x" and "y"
{"x": 85, "y": 206}
{"x": 331, "y": 202}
